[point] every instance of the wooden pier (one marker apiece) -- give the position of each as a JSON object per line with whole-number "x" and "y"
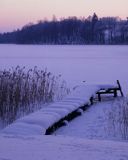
{"x": 50, "y": 118}
{"x": 111, "y": 90}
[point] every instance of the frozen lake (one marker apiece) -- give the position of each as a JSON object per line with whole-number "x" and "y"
{"x": 94, "y": 64}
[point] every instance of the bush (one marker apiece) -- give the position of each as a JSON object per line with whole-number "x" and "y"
{"x": 23, "y": 91}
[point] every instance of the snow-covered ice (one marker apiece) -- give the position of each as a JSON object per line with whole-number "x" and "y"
{"x": 76, "y": 63}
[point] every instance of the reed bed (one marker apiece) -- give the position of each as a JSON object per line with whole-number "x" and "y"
{"x": 118, "y": 119}
{"x": 23, "y": 91}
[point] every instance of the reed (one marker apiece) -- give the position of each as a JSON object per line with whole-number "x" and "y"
{"x": 118, "y": 119}
{"x": 23, "y": 91}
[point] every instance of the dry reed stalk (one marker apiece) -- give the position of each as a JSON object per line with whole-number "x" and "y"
{"x": 22, "y": 91}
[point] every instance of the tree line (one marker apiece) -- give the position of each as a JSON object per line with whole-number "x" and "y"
{"x": 71, "y": 30}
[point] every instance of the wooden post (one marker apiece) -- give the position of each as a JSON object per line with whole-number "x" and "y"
{"x": 99, "y": 97}
{"x": 121, "y": 92}
{"x": 91, "y": 100}
{"x": 115, "y": 92}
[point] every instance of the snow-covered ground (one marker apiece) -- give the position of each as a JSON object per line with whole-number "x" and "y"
{"x": 93, "y": 124}
{"x": 60, "y": 148}
{"x": 86, "y": 137}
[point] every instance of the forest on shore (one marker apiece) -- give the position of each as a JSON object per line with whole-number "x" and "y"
{"x": 71, "y": 30}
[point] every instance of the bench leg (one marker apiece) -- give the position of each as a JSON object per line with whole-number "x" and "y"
{"x": 120, "y": 89}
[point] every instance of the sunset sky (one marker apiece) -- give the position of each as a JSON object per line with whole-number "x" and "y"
{"x": 16, "y": 13}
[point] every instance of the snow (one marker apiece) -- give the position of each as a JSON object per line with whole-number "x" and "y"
{"x": 80, "y": 90}
{"x": 20, "y": 128}
{"x": 60, "y": 148}
{"x": 69, "y": 107}
{"x": 84, "y": 92}
{"x": 61, "y": 111}
{"x": 106, "y": 86}
{"x": 86, "y": 137}
{"x": 75, "y": 102}
{"x": 45, "y": 118}
{"x": 93, "y": 124}
{"x": 53, "y": 113}
{"x": 33, "y": 124}
{"x": 76, "y": 63}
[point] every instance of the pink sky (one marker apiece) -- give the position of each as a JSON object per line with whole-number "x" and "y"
{"x": 17, "y": 13}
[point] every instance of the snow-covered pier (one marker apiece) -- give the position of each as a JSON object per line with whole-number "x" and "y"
{"x": 54, "y": 115}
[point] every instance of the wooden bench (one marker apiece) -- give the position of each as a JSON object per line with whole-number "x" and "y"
{"x": 111, "y": 90}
